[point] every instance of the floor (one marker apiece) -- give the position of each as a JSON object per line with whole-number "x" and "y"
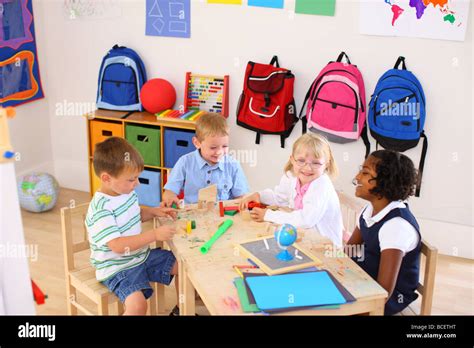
{"x": 453, "y": 294}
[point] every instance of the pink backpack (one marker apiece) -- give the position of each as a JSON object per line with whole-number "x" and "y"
{"x": 336, "y": 103}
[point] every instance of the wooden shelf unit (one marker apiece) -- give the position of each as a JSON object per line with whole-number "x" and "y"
{"x": 123, "y": 118}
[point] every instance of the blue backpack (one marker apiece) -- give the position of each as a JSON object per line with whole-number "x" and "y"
{"x": 397, "y": 113}
{"x": 121, "y": 77}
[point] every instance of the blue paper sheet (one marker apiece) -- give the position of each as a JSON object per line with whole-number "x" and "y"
{"x": 266, "y": 3}
{"x": 294, "y": 290}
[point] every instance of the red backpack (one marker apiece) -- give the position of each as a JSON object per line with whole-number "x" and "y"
{"x": 266, "y": 105}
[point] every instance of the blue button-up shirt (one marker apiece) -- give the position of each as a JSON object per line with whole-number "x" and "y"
{"x": 193, "y": 173}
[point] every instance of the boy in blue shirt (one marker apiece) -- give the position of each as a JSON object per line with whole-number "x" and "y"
{"x": 209, "y": 164}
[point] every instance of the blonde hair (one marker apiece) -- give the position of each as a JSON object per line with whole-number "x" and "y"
{"x": 114, "y": 155}
{"x": 211, "y": 124}
{"x": 320, "y": 147}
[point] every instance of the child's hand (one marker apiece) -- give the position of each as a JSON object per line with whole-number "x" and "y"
{"x": 244, "y": 203}
{"x": 165, "y": 212}
{"x": 169, "y": 197}
{"x": 257, "y": 214}
{"x": 164, "y": 233}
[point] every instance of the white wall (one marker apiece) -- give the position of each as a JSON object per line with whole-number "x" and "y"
{"x": 223, "y": 39}
{"x": 31, "y": 138}
{"x": 30, "y": 131}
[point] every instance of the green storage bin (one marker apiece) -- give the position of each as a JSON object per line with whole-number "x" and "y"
{"x": 146, "y": 140}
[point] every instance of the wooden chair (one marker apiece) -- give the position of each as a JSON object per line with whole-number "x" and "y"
{"x": 350, "y": 209}
{"x": 82, "y": 278}
{"x": 425, "y": 289}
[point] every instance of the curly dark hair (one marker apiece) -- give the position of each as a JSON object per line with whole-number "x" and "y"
{"x": 396, "y": 175}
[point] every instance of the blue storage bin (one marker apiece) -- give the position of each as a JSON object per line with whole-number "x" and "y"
{"x": 149, "y": 190}
{"x": 176, "y": 144}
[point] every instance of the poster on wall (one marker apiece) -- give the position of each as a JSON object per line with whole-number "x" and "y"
{"x": 170, "y": 18}
{"x": 20, "y": 78}
{"x": 226, "y": 2}
{"x": 431, "y": 19}
{"x": 316, "y": 7}
{"x": 267, "y": 3}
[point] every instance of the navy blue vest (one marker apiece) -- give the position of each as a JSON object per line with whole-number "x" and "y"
{"x": 407, "y": 281}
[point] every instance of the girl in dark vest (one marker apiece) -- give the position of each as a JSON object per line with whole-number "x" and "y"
{"x": 387, "y": 231}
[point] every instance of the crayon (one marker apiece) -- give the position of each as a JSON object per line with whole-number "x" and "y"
{"x": 244, "y": 266}
{"x": 238, "y": 272}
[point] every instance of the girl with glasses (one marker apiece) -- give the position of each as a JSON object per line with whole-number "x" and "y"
{"x": 306, "y": 188}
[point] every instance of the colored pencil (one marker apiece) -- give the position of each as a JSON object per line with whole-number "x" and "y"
{"x": 239, "y": 272}
{"x": 244, "y": 266}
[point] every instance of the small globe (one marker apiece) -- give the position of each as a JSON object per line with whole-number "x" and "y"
{"x": 286, "y": 235}
{"x": 37, "y": 192}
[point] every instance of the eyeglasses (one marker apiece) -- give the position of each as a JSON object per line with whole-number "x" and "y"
{"x": 313, "y": 165}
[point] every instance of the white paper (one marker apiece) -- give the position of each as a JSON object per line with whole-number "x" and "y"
{"x": 16, "y": 294}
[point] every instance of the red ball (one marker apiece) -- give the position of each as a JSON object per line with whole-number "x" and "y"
{"x": 157, "y": 95}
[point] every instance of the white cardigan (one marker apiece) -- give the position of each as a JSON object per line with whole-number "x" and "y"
{"x": 321, "y": 209}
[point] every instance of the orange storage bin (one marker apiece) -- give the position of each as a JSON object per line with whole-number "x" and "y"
{"x": 101, "y": 130}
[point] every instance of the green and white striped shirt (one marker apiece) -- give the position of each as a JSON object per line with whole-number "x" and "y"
{"x": 110, "y": 217}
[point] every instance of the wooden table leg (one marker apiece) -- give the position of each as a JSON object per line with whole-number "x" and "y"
{"x": 181, "y": 277}
{"x": 159, "y": 288}
{"x": 160, "y": 298}
{"x": 103, "y": 306}
{"x": 152, "y": 302}
{"x": 119, "y": 307}
{"x": 187, "y": 293}
{"x": 379, "y": 307}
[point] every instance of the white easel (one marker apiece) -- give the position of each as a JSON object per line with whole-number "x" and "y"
{"x": 16, "y": 295}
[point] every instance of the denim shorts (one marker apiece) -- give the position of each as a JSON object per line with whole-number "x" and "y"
{"x": 156, "y": 268}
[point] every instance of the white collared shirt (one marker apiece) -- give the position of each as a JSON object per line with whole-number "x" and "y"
{"x": 321, "y": 209}
{"x": 396, "y": 233}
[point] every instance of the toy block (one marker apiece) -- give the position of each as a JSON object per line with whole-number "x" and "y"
{"x": 188, "y": 227}
{"x": 221, "y": 209}
{"x": 230, "y": 212}
{"x": 245, "y": 214}
{"x": 208, "y": 194}
{"x": 231, "y": 208}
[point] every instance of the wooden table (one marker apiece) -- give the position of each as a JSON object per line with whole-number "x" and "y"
{"x": 211, "y": 275}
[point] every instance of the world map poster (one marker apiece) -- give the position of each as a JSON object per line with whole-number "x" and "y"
{"x": 432, "y": 19}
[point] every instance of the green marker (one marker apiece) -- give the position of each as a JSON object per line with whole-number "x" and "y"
{"x": 220, "y": 231}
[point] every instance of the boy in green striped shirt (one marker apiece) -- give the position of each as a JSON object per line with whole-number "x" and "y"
{"x": 120, "y": 252}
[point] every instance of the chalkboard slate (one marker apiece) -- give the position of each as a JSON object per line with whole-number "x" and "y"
{"x": 257, "y": 251}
